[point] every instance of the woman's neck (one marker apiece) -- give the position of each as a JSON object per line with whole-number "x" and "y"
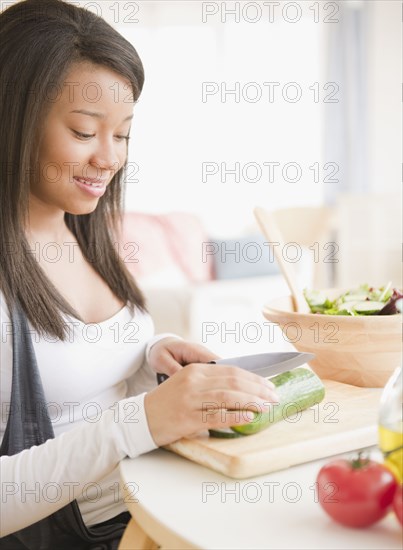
{"x": 46, "y": 224}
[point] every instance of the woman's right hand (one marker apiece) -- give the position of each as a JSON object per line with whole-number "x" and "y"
{"x": 200, "y": 397}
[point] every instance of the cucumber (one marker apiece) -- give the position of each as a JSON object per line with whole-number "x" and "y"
{"x": 368, "y": 307}
{"x": 297, "y": 390}
{"x": 354, "y": 297}
{"x": 224, "y": 433}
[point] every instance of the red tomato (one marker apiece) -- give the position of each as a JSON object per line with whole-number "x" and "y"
{"x": 356, "y": 492}
{"x": 398, "y": 503}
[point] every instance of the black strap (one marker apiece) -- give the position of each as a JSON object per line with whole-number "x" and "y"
{"x": 29, "y": 424}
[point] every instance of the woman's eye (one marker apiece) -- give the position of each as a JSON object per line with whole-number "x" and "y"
{"x": 121, "y": 138}
{"x": 82, "y": 136}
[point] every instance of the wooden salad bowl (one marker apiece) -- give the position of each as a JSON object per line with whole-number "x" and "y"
{"x": 362, "y": 351}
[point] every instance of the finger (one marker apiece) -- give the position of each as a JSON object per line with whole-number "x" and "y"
{"x": 235, "y": 400}
{"x": 206, "y": 355}
{"x": 232, "y": 372}
{"x": 223, "y": 418}
{"x": 196, "y": 354}
{"x": 168, "y": 365}
{"x": 224, "y": 388}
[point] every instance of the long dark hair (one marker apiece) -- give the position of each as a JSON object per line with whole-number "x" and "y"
{"x": 39, "y": 41}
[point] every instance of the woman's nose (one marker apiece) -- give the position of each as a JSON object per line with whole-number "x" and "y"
{"x": 105, "y": 156}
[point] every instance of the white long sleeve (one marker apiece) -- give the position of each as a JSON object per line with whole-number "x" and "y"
{"x": 38, "y": 481}
{"x": 87, "y": 380}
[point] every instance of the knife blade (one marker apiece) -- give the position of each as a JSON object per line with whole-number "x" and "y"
{"x": 268, "y": 364}
{"x": 263, "y": 364}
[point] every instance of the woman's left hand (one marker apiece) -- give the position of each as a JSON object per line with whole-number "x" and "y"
{"x": 169, "y": 355}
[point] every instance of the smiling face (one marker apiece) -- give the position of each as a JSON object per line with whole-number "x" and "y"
{"x": 84, "y": 140}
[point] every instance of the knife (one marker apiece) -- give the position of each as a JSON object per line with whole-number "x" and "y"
{"x": 264, "y": 364}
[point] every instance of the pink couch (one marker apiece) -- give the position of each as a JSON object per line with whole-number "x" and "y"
{"x": 159, "y": 246}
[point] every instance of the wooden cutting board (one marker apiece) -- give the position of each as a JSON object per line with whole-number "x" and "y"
{"x": 345, "y": 420}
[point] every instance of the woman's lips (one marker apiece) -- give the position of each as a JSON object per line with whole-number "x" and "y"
{"x": 94, "y": 187}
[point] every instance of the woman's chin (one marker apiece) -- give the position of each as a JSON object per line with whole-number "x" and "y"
{"x": 82, "y": 209}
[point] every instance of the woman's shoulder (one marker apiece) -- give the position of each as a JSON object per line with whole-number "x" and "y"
{"x": 6, "y": 354}
{"x": 5, "y": 326}
{"x": 4, "y": 311}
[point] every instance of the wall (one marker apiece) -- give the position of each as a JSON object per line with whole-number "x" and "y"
{"x": 384, "y": 63}
{"x": 176, "y": 130}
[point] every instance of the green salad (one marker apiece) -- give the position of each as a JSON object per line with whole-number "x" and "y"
{"x": 364, "y": 300}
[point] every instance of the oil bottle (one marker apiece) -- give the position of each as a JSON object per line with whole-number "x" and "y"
{"x": 391, "y": 424}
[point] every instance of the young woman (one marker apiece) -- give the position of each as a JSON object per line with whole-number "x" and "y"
{"x": 68, "y": 85}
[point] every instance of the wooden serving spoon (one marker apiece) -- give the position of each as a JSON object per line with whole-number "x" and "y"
{"x": 271, "y": 231}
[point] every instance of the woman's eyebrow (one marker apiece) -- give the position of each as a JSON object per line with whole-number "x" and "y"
{"x": 95, "y": 114}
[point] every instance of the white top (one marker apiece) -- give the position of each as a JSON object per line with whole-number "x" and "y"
{"x": 87, "y": 380}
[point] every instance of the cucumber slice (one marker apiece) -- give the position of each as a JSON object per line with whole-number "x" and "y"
{"x": 315, "y": 297}
{"x": 354, "y": 297}
{"x": 317, "y": 301}
{"x": 368, "y": 307}
{"x": 297, "y": 389}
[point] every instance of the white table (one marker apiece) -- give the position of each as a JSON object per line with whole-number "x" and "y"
{"x": 180, "y": 504}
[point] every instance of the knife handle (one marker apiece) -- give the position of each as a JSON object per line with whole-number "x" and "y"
{"x": 161, "y": 377}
